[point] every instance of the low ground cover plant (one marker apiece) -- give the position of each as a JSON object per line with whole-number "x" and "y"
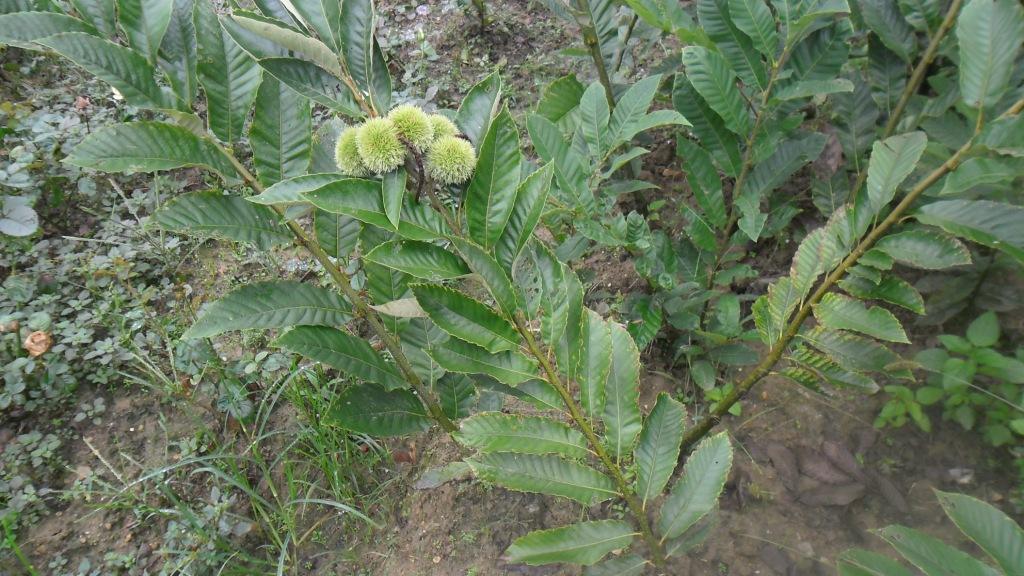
{"x": 437, "y": 284}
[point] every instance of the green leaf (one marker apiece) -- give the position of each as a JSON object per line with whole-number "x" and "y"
{"x": 314, "y": 83}
{"x": 994, "y": 224}
{"x": 892, "y": 160}
{"x": 478, "y": 107}
{"x": 290, "y": 192}
{"x": 122, "y": 68}
{"x": 737, "y": 48}
{"x": 393, "y": 188}
{"x": 178, "y": 51}
{"x": 715, "y": 81}
{"x": 466, "y": 318}
{"x": 23, "y": 29}
{"x": 631, "y": 109}
{"x": 704, "y": 181}
{"x": 280, "y": 134}
{"x": 891, "y": 289}
{"x": 825, "y": 369}
{"x": 850, "y": 350}
{"x": 268, "y": 39}
{"x": 552, "y": 148}
{"x": 561, "y": 100}
{"x": 975, "y": 172}
{"x": 546, "y": 474}
{"x": 361, "y": 53}
{"x": 630, "y": 564}
{"x": 497, "y": 432}
{"x": 595, "y": 363}
{"x": 363, "y": 200}
{"x": 722, "y": 144}
{"x": 531, "y": 198}
{"x": 622, "y": 419}
{"x": 457, "y": 395}
{"x": 494, "y": 277}
{"x": 148, "y": 147}
{"x": 230, "y": 217}
{"x": 274, "y": 304}
{"x": 884, "y": 19}
{"x": 418, "y": 259}
{"x": 324, "y": 18}
{"x": 336, "y": 234}
{"x": 338, "y": 349}
{"x": 697, "y": 490}
{"x": 491, "y": 195}
{"x": 658, "y": 450}
{"x": 755, "y": 20}
{"x": 817, "y": 254}
{"x": 369, "y": 409}
{"x": 509, "y": 367}
{"x": 931, "y": 555}
{"x": 594, "y": 116}
{"x": 809, "y": 88}
{"x": 228, "y": 75}
{"x": 925, "y": 249}
{"x": 990, "y": 33}
{"x": 144, "y": 23}
{"x": 991, "y": 529}
{"x": 983, "y": 332}
{"x": 583, "y": 543}
{"x": 771, "y": 312}
{"x": 843, "y": 313}
{"x": 98, "y": 13}
{"x": 855, "y": 562}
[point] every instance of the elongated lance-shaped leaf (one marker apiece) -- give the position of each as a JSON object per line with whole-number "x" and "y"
{"x": 927, "y": 249}
{"x": 772, "y": 311}
{"x": 631, "y": 109}
{"x": 994, "y": 224}
{"x": 178, "y": 54}
{"x": 529, "y": 205}
{"x": 478, "y": 107}
{"x": 286, "y": 42}
{"x": 364, "y": 60}
{"x": 658, "y": 450}
{"x": 825, "y": 369}
{"x": 22, "y": 29}
{"x": 148, "y": 147}
{"x": 466, "y": 318}
{"x": 369, "y": 409}
{"x": 595, "y": 363}
{"x": 491, "y": 196}
{"x": 626, "y": 565}
{"x": 737, "y": 48}
{"x": 715, "y": 81}
{"x": 892, "y": 160}
{"x": 494, "y": 277}
{"x": 231, "y": 217}
{"x": 707, "y": 126}
{"x": 933, "y": 556}
{"x": 891, "y": 289}
{"x": 497, "y": 432}
{"x": 594, "y": 116}
{"x": 570, "y": 169}
{"x": 337, "y": 234}
{"x": 314, "y": 83}
{"x": 569, "y": 347}
{"x": 144, "y": 23}
{"x": 545, "y": 474}
{"x": 323, "y": 18}
{"x": 274, "y": 304}
{"x": 842, "y": 313}
{"x": 816, "y": 254}
{"x": 991, "y": 529}
{"x": 281, "y": 133}
{"x": 883, "y": 17}
{"x": 122, "y": 68}
{"x": 338, "y": 349}
{"x": 228, "y": 75}
{"x": 290, "y": 192}
{"x": 756, "y": 21}
{"x": 98, "y": 13}
{"x": 622, "y": 419}
{"x": 704, "y": 181}
{"x": 850, "y": 350}
{"x": 856, "y": 562}
{"x": 418, "y": 259}
{"x": 583, "y": 543}
{"x": 697, "y": 490}
{"x": 509, "y": 367}
{"x": 393, "y": 189}
{"x": 418, "y": 337}
{"x": 990, "y": 34}
{"x": 362, "y": 200}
